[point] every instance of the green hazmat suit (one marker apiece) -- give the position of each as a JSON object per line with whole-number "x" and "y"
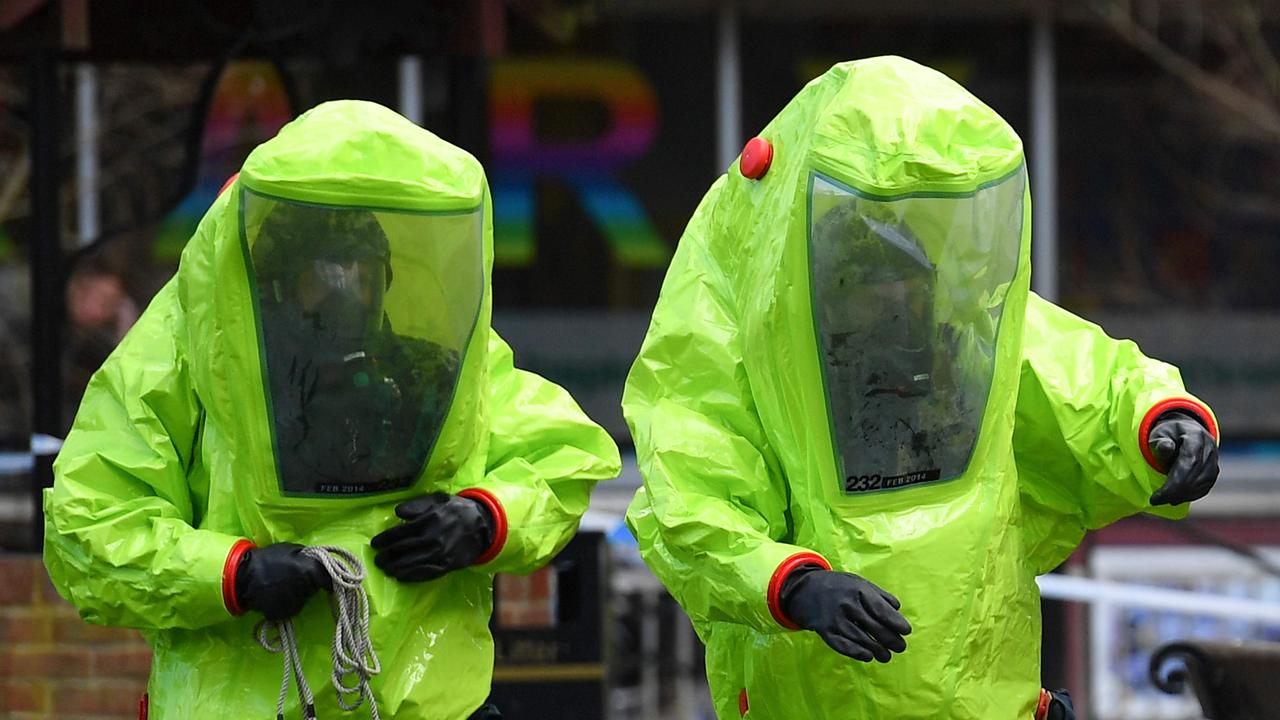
{"x": 846, "y": 368}
{"x": 183, "y": 447}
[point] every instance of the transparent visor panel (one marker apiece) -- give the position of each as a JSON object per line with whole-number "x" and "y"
{"x": 907, "y": 297}
{"x": 365, "y": 315}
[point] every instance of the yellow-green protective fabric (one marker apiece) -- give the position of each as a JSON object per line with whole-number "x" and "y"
{"x": 727, "y": 407}
{"x": 170, "y": 461}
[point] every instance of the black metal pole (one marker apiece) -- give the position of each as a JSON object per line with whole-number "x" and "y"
{"x": 468, "y": 123}
{"x": 46, "y": 273}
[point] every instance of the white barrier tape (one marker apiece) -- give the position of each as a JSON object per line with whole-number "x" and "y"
{"x": 1068, "y": 587}
{"x": 42, "y": 444}
{"x": 17, "y": 463}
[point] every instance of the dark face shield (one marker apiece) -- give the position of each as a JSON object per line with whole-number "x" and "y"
{"x": 364, "y": 317}
{"x": 907, "y": 300}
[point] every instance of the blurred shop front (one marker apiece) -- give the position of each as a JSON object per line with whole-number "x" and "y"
{"x": 601, "y": 124}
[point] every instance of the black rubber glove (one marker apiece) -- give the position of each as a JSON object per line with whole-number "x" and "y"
{"x": 440, "y": 533}
{"x": 849, "y": 613}
{"x": 1189, "y": 452}
{"x": 277, "y": 580}
{"x": 1060, "y": 707}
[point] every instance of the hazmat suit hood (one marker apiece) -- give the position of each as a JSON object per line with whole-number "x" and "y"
{"x": 832, "y": 377}
{"x": 905, "y": 247}
{"x": 346, "y": 186}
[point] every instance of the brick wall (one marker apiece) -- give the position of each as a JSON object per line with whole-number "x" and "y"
{"x": 53, "y": 664}
{"x": 526, "y": 601}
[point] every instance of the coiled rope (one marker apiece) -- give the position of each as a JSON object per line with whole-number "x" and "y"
{"x": 352, "y": 651}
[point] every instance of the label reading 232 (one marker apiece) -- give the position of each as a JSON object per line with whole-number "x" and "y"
{"x": 869, "y": 483}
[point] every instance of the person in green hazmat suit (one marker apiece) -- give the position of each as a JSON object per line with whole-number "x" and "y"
{"x": 862, "y": 437}
{"x": 321, "y": 372}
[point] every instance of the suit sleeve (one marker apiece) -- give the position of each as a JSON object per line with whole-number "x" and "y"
{"x": 712, "y": 510}
{"x": 120, "y": 537}
{"x": 545, "y": 455}
{"x": 1086, "y": 403}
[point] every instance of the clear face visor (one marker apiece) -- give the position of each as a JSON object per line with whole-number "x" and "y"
{"x": 907, "y": 299}
{"x": 364, "y": 316}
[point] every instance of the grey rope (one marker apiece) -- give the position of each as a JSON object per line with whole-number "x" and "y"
{"x": 352, "y": 651}
{"x": 286, "y": 643}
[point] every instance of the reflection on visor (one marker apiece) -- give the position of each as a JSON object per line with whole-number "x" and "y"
{"x": 361, "y": 281}
{"x": 892, "y": 330}
{"x": 337, "y": 276}
{"x": 907, "y": 381}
